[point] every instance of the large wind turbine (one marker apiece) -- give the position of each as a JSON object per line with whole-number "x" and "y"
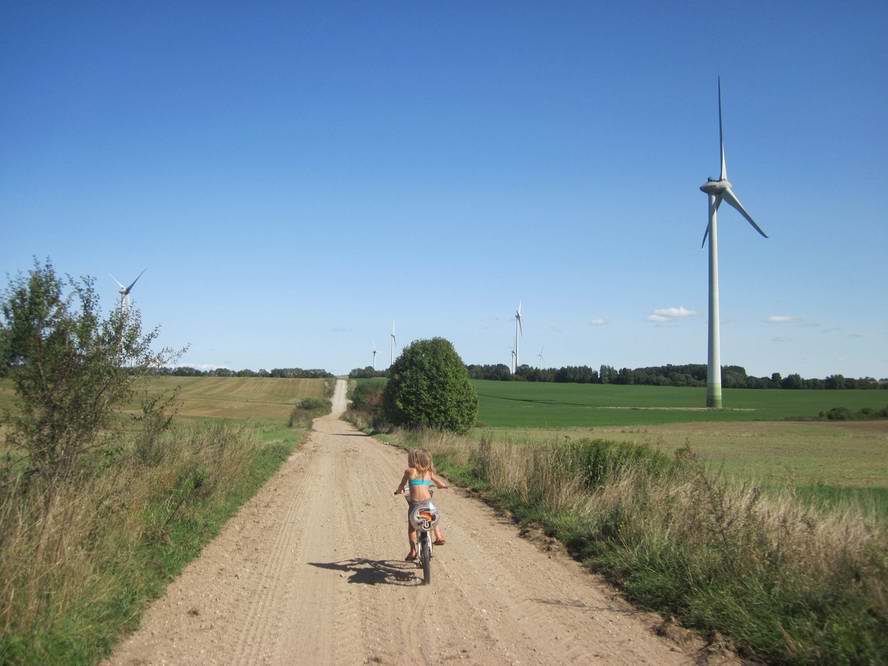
{"x": 718, "y": 191}
{"x": 392, "y": 350}
{"x": 125, "y": 291}
{"x": 519, "y": 331}
{"x": 374, "y": 356}
{"x": 540, "y": 357}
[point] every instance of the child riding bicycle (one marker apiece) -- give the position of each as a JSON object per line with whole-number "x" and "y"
{"x": 419, "y": 477}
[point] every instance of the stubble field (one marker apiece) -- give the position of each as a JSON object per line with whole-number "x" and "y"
{"x": 250, "y": 398}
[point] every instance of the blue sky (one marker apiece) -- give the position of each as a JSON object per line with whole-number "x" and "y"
{"x": 295, "y": 176}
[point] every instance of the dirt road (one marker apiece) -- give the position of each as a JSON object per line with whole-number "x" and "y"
{"x": 310, "y": 571}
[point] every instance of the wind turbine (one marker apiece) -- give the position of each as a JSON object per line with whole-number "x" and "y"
{"x": 374, "y": 356}
{"x": 519, "y": 331}
{"x": 718, "y": 191}
{"x": 540, "y": 357}
{"x": 125, "y": 291}
{"x": 393, "y": 342}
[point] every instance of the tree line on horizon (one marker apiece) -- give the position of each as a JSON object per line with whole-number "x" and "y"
{"x": 288, "y": 373}
{"x": 691, "y": 374}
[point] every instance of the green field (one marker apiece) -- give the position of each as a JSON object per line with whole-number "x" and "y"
{"x": 551, "y": 405}
{"x": 759, "y": 437}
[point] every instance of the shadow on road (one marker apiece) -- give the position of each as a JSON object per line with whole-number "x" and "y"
{"x": 375, "y": 572}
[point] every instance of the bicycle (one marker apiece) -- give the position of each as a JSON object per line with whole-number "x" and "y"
{"x": 423, "y": 517}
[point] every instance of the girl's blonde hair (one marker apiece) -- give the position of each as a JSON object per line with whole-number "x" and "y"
{"x": 420, "y": 460}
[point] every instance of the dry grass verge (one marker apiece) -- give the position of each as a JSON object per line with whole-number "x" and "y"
{"x": 80, "y": 559}
{"x": 786, "y": 581}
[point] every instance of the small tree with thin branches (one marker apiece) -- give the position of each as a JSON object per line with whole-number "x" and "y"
{"x": 71, "y": 365}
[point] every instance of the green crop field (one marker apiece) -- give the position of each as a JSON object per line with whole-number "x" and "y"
{"x": 550, "y": 405}
{"x": 755, "y": 438}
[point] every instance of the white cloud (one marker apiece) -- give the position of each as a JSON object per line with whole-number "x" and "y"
{"x": 598, "y": 322}
{"x": 674, "y": 313}
{"x": 781, "y": 319}
{"x": 661, "y": 315}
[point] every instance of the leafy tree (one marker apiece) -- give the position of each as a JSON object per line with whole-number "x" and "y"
{"x": 367, "y": 372}
{"x": 607, "y": 374}
{"x": 835, "y": 382}
{"x": 793, "y": 381}
{"x": 429, "y": 387}
{"x": 498, "y": 371}
{"x": 70, "y": 365}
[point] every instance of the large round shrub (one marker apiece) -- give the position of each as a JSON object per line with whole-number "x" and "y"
{"x": 429, "y": 387}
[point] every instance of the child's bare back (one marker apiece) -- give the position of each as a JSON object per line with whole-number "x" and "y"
{"x": 418, "y": 480}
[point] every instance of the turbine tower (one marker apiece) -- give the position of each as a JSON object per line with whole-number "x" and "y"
{"x": 393, "y": 341}
{"x": 374, "y": 356}
{"x": 125, "y": 291}
{"x": 540, "y": 357}
{"x": 519, "y": 331}
{"x": 718, "y": 191}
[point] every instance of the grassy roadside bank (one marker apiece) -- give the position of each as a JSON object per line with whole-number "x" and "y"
{"x": 787, "y": 582}
{"x": 79, "y": 566}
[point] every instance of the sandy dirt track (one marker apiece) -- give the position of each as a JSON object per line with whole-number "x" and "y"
{"x": 310, "y": 571}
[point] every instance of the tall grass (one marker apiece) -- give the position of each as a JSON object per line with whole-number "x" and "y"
{"x": 308, "y": 409}
{"x": 786, "y": 581}
{"x": 80, "y": 559}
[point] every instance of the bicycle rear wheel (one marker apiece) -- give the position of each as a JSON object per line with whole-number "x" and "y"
{"x": 426, "y": 558}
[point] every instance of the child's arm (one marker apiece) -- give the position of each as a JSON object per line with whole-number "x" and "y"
{"x": 439, "y": 482}
{"x": 404, "y": 480}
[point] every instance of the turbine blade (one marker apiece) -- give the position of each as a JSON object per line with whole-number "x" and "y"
{"x": 136, "y": 280}
{"x": 718, "y": 200}
{"x": 732, "y": 199}
{"x": 117, "y": 281}
{"x": 721, "y": 136}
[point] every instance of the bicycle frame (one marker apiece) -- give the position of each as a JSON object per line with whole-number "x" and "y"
{"x": 423, "y": 517}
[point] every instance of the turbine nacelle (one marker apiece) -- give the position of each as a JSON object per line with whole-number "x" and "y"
{"x": 716, "y": 187}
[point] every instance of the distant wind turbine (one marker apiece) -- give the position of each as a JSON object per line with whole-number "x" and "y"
{"x": 124, "y": 292}
{"x": 374, "y": 356}
{"x": 717, "y": 191}
{"x": 519, "y": 331}
{"x": 393, "y": 343}
{"x": 540, "y": 357}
